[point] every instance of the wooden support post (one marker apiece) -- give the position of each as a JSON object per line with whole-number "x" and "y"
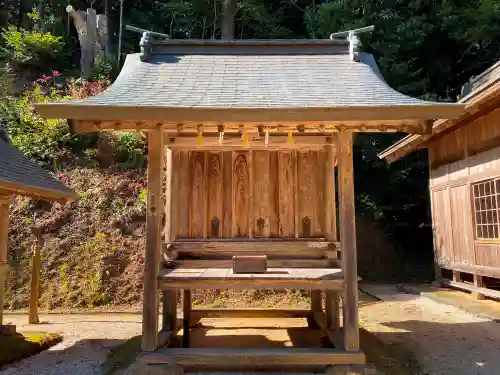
{"x": 169, "y": 313}
{"x": 4, "y": 242}
{"x": 35, "y": 276}
{"x": 186, "y": 307}
{"x": 168, "y": 196}
{"x": 456, "y": 276}
{"x": 478, "y": 282}
{"x": 347, "y": 217}
{"x": 153, "y": 241}
{"x": 331, "y": 211}
{"x": 316, "y": 306}
{"x": 332, "y": 310}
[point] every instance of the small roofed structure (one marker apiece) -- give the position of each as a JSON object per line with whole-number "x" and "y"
{"x": 464, "y": 184}
{"x": 243, "y": 139}
{"x": 21, "y": 176}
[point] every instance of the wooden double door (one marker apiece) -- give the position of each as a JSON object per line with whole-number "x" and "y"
{"x": 248, "y": 194}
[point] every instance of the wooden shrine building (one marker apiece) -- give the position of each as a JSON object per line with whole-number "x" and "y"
{"x": 464, "y": 184}
{"x": 20, "y": 176}
{"x": 244, "y": 137}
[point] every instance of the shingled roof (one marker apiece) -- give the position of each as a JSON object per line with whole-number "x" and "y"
{"x": 260, "y": 81}
{"x": 20, "y": 175}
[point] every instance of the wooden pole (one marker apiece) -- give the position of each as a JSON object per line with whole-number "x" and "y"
{"x": 35, "y": 277}
{"x": 153, "y": 241}
{"x": 348, "y": 241}
{"x": 330, "y": 204}
{"x": 186, "y": 307}
{"x": 4, "y": 242}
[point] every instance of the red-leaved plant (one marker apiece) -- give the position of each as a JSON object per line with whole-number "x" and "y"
{"x": 81, "y": 88}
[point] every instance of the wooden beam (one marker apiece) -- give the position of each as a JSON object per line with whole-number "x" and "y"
{"x": 272, "y": 263}
{"x": 347, "y": 217}
{"x": 337, "y": 285}
{"x": 4, "y": 243}
{"x": 330, "y": 201}
{"x": 252, "y": 357}
{"x": 186, "y": 308}
{"x": 198, "y": 314}
{"x": 471, "y": 288}
{"x": 232, "y": 141}
{"x": 273, "y": 249}
{"x": 315, "y": 127}
{"x": 479, "y": 270}
{"x": 153, "y": 242}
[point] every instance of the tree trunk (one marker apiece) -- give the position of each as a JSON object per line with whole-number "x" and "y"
{"x": 227, "y": 29}
{"x": 41, "y": 11}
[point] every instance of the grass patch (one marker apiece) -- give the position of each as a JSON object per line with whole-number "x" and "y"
{"x": 122, "y": 356}
{"x": 18, "y": 346}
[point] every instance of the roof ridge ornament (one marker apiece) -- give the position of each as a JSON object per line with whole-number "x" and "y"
{"x": 354, "y": 41}
{"x": 146, "y": 42}
{"x": 146, "y": 46}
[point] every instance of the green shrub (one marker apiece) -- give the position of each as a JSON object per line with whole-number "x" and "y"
{"x": 33, "y": 50}
{"x": 130, "y": 151}
{"x": 36, "y": 137}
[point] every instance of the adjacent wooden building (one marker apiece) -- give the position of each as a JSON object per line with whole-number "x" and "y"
{"x": 464, "y": 168}
{"x": 244, "y": 138}
{"x": 20, "y": 176}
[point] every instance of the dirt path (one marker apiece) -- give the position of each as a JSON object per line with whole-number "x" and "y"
{"x": 444, "y": 339}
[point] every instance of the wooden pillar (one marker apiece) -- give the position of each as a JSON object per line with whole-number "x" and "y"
{"x": 332, "y": 310}
{"x": 330, "y": 206}
{"x": 186, "y": 307}
{"x": 153, "y": 241}
{"x": 169, "y": 312}
{"x": 4, "y": 242}
{"x": 478, "y": 282}
{"x": 35, "y": 276}
{"x": 347, "y": 222}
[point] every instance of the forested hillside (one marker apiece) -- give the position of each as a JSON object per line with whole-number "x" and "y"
{"x": 427, "y": 49}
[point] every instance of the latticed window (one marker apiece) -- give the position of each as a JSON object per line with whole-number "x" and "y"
{"x": 486, "y": 199}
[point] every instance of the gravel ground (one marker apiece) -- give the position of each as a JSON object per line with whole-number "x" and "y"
{"x": 444, "y": 339}
{"x": 87, "y": 341}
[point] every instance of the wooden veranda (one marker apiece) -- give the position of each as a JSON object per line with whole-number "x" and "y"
{"x": 243, "y": 141}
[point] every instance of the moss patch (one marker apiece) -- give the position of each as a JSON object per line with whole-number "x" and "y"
{"x": 16, "y": 347}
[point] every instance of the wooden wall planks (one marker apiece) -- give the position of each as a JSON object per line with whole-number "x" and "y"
{"x": 214, "y": 218}
{"x": 241, "y": 194}
{"x": 227, "y": 196}
{"x": 197, "y": 199}
{"x": 249, "y": 193}
{"x": 261, "y": 194}
{"x": 181, "y": 165}
{"x": 286, "y": 203}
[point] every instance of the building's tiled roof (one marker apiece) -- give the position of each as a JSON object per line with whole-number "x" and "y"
{"x": 20, "y": 175}
{"x": 248, "y": 75}
{"x": 250, "y": 79}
